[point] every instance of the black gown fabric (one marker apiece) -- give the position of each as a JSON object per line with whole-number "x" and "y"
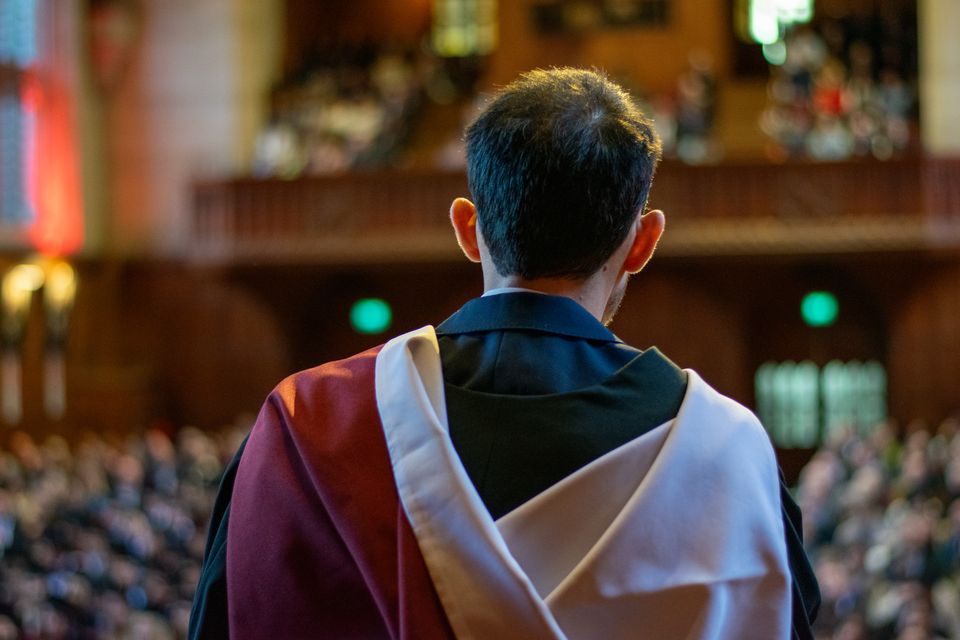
{"x": 527, "y": 344}
{"x": 501, "y": 348}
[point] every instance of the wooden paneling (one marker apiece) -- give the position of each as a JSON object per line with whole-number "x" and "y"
{"x": 159, "y": 340}
{"x": 386, "y": 216}
{"x": 194, "y": 345}
{"x": 672, "y": 309}
{"x": 925, "y": 348}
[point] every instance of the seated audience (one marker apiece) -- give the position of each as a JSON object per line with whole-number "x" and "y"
{"x": 105, "y": 538}
{"x": 882, "y": 524}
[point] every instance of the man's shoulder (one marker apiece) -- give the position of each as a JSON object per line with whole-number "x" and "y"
{"x": 326, "y": 386}
{"x": 725, "y": 449}
{"x": 728, "y": 410}
{"x": 727, "y": 423}
{"x": 333, "y": 371}
{"x": 338, "y": 382}
{"x": 328, "y": 411}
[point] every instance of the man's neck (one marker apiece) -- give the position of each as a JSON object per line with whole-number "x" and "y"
{"x": 591, "y": 294}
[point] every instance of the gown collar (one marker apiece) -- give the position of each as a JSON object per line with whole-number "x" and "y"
{"x": 526, "y": 311}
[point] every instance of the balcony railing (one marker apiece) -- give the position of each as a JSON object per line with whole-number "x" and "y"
{"x": 722, "y": 209}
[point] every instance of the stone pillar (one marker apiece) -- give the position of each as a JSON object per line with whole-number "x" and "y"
{"x": 938, "y": 27}
{"x": 190, "y": 105}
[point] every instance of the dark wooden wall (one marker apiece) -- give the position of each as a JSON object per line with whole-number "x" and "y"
{"x": 200, "y": 345}
{"x": 273, "y": 267}
{"x": 925, "y": 345}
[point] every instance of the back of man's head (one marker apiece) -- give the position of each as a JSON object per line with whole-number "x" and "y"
{"x": 559, "y": 165}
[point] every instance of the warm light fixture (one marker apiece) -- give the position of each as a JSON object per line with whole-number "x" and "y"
{"x": 59, "y": 292}
{"x": 60, "y": 287}
{"x": 16, "y": 292}
{"x": 58, "y": 281}
{"x": 18, "y": 286}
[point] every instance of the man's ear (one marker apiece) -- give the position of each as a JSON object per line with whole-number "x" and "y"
{"x": 463, "y": 217}
{"x": 649, "y": 229}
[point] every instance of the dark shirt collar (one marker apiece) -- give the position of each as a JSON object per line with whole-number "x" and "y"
{"x": 527, "y": 312}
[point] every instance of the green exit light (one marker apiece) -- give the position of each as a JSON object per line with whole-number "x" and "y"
{"x": 370, "y": 315}
{"x": 819, "y": 308}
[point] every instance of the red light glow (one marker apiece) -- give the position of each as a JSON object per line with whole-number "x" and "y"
{"x": 53, "y": 181}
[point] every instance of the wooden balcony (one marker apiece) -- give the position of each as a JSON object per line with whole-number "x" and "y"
{"x": 729, "y": 209}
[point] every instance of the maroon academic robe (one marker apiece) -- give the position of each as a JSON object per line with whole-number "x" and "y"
{"x": 318, "y": 544}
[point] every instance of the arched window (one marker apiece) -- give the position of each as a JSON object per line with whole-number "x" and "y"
{"x": 838, "y": 386}
{"x": 801, "y": 404}
{"x": 873, "y": 395}
{"x": 18, "y": 54}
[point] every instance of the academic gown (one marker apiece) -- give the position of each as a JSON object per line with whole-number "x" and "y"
{"x": 497, "y": 346}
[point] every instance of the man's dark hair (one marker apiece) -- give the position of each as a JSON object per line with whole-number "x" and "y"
{"x": 559, "y": 164}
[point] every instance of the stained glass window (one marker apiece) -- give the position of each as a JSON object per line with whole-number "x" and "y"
{"x": 18, "y": 52}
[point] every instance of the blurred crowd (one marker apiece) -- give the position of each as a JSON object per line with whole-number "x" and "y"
{"x": 838, "y": 89}
{"x": 356, "y": 108}
{"x": 831, "y": 97}
{"x": 684, "y": 118}
{"x": 353, "y": 111}
{"x": 882, "y": 526}
{"x": 105, "y": 539}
